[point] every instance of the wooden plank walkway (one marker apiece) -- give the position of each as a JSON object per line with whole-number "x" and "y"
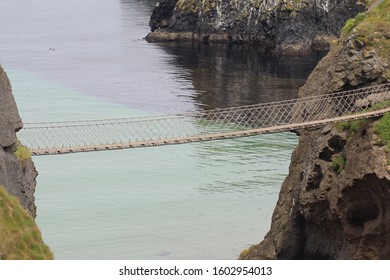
{"x": 211, "y": 136}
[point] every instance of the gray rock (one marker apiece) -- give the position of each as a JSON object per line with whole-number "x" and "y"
{"x": 323, "y": 214}
{"x": 18, "y": 177}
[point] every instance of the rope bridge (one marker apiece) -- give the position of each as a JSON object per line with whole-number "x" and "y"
{"x": 97, "y": 135}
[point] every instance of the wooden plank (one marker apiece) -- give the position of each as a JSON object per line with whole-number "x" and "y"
{"x": 208, "y": 137}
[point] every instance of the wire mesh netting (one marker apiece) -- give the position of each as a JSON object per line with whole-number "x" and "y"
{"x": 74, "y": 136}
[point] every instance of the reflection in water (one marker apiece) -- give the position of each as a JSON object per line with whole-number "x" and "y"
{"x": 223, "y": 76}
{"x": 140, "y": 5}
{"x": 234, "y": 76}
{"x": 197, "y": 201}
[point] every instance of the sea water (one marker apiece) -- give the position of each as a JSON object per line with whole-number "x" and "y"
{"x": 79, "y": 60}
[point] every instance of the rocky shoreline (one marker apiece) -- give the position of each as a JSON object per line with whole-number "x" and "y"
{"x": 287, "y": 27}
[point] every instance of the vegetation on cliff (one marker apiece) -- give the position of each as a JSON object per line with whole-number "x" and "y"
{"x": 292, "y": 27}
{"x": 22, "y": 152}
{"x": 372, "y": 29}
{"x": 17, "y": 170}
{"x": 334, "y": 204}
{"x": 19, "y": 235}
{"x": 382, "y": 128}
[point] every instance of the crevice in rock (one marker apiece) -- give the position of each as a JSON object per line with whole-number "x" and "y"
{"x": 315, "y": 178}
{"x": 363, "y": 201}
{"x": 337, "y": 143}
{"x": 326, "y": 154}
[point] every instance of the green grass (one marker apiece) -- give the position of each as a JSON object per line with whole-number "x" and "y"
{"x": 338, "y": 164}
{"x": 352, "y": 23}
{"x": 20, "y": 238}
{"x": 372, "y": 28}
{"x": 380, "y": 105}
{"x": 352, "y": 126}
{"x": 22, "y": 152}
{"x": 382, "y": 129}
{"x": 387, "y": 74}
{"x": 357, "y": 125}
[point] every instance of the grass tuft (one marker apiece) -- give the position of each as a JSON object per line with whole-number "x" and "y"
{"x": 22, "y": 152}
{"x": 352, "y": 126}
{"x": 20, "y": 238}
{"x": 338, "y": 164}
{"x": 382, "y": 129}
{"x": 372, "y": 28}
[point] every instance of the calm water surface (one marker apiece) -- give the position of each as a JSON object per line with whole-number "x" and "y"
{"x": 74, "y": 59}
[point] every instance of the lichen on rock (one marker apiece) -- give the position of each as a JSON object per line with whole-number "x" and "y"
{"x": 288, "y": 26}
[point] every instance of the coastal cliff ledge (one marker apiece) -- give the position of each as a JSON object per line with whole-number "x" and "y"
{"x": 335, "y": 202}
{"x": 285, "y": 26}
{"x": 19, "y": 236}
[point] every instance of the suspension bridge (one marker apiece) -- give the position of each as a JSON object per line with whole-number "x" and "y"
{"x": 51, "y": 138}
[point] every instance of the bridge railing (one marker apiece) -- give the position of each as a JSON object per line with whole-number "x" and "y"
{"x": 61, "y": 137}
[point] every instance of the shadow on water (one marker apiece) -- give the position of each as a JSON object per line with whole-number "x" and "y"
{"x": 148, "y": 5}
{"x": 226, "y": 76}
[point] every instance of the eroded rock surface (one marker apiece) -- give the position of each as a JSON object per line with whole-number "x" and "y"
{"x": 18, "y": 176}
{"x": 291, "y": 27}
{"x": 326, "y": 213}
{"x": 335, "y": 202}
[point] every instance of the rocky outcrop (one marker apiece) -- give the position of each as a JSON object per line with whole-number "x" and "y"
{"x": 285, "y": 25}
{"x": 335, "y": 202}
{"x": 17, "y": 171}
{"x": 20, "y": 238}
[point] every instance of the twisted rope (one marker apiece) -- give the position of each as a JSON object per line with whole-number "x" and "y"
{"x": 93, "y": 135}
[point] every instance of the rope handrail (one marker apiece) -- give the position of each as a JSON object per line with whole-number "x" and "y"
{"x": 323, "y": 97}
{"x": 74, "y": 136}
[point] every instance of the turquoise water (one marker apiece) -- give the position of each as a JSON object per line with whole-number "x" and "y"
{"x": 195, "y": 201}
{"x": 86, "y": 60}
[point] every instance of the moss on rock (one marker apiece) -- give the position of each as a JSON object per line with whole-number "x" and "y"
{"x": 20, "y": 238}
{"x": 382, "y": 129}
{"x": 372, "y": 28}
{"x": 22, "y": 152}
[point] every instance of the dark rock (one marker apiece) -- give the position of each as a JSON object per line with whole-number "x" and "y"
{"x": 17, "y": 176}
{"x": 321, "y": 213}
{"x": 162, "y": 14}
{"x": 288, "y": 27}
{"x": 341, "y": 216}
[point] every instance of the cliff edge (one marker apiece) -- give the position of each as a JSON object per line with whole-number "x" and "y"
{"x": 19, "y": 236}
{"x": 287, "y": 26}
{"x": 17, "y": 171}
{"x": 335, "y": 202}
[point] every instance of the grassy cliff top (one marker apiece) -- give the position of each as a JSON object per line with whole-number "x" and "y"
{"x": 372, "y": 28}
{"x": 20, "y": 238}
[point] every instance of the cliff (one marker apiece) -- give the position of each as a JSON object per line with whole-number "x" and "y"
{"x": 335, "y": 202}
{"x": 289, "y": 26}
{"x": 17, "y": 171}
{"x": 19, "y": 237}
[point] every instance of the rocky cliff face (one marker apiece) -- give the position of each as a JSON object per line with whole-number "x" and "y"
{"x": 335, "y": 202}
{"x": 20, "y": 238}
{"x": 17, "y": 171}
{"x": 289, "y": 26}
